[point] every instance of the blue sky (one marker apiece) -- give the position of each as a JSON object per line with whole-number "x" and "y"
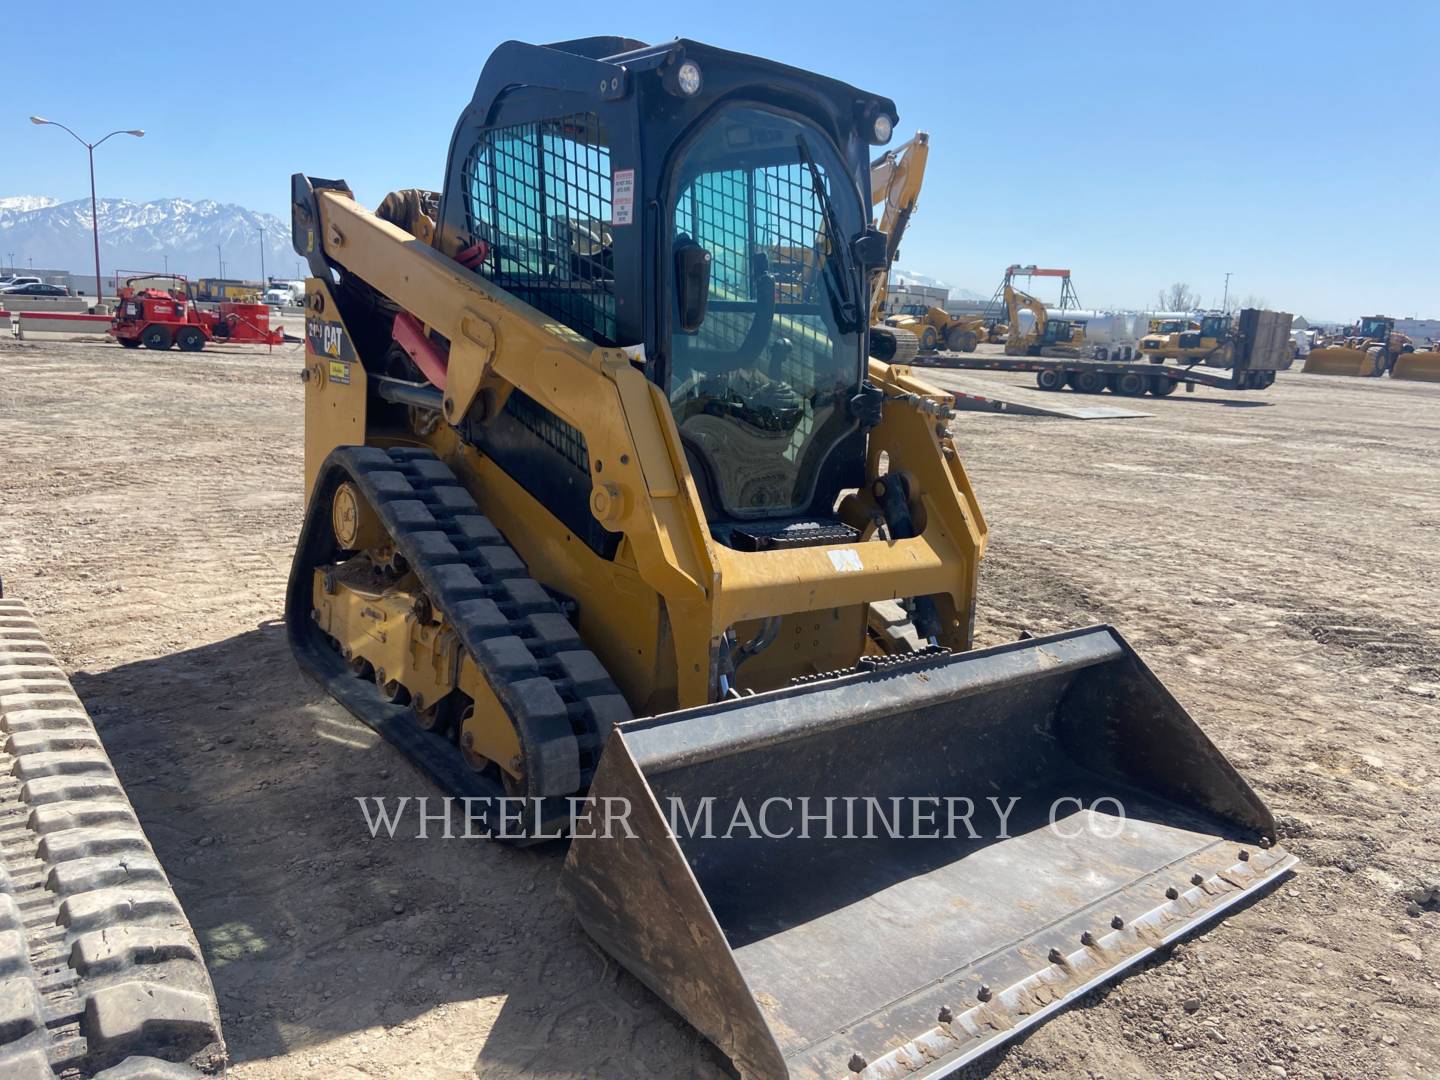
{"x": 1296, "y": 145}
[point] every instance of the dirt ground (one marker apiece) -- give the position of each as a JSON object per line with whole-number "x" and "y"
{"x": 1274, "y": 556}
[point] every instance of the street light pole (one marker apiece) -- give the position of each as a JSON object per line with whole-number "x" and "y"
{"x": 94, "y": 206}
{"x": 1225, "y": 304}
{"x": 263, "y": 283}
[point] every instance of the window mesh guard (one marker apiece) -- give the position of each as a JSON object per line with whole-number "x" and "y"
{"x": 539, "y": 197}
{"x": 772, "y": 211}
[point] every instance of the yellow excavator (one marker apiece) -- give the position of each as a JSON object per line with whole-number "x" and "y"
{"x": 1048, "y": 336}
{"x": 599, "y": 517}
{"x": 896, "y": 177}
{"x": 895, "y": 181}
{"x": 1373, "y": 349}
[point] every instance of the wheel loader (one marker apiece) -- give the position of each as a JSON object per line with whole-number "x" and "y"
{"x": 1372, "y": 350}
{"x": 596, "y": 510}
{"x": 1419, "y": 365}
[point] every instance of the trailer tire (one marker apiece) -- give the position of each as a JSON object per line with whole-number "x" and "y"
{"x": 1162, "y": 386}
{"x": 1050, "y": 379}
{"x": 1129, "y": 384}
{"x": 1086, "y": 382}
{"x": 190, "y": 339}
{"x": 155, "y": 336}
{"x": 1101, "y": 353}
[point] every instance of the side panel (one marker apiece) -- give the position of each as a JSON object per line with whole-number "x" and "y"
{"x": 334, "y": 382}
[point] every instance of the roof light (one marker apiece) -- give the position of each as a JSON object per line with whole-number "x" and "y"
{"x": 883, "y": 129}
{"x": 688, "y": 78}
{"x": 683, "y": 79}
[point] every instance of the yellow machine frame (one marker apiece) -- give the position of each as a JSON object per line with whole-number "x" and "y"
{"x": 677, "y": 591}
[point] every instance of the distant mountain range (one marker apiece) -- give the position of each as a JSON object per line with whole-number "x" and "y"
{"x": 914, "y": 277}
{"x": 43, "y": 232}
{"x": 24, "y": 203}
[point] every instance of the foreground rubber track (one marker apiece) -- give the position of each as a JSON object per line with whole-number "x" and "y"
{"x": 100, "y": 973}
{"x": 556, "y": 693}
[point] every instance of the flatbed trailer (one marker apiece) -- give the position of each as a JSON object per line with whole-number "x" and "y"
{"x": 1260, "y": 345}
{"x": 1097, "y": 376}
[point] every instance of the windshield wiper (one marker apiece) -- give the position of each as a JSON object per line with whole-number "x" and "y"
{"x": 841, "y": 270}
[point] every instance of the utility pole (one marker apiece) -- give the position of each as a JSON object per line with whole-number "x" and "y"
{"x": 167, "y": 263}
{"x": 1225, "y": 304}
{"x": 94, "y": 207}
{"x": 11, "y": 256}
{"x": 220, "y": 258}
{"x": 263, "y": 282}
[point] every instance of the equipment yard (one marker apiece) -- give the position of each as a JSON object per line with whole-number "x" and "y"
{"x": 1272, "y": 556}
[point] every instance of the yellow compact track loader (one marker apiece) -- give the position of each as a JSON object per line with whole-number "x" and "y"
{"x": 598, "y": 506}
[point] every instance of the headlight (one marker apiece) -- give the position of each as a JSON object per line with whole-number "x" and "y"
{"x": 688, "y": 78}
{"x": 684, "y": 79}
{"x": 882, "y": 130}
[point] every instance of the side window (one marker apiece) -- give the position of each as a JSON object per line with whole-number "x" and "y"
{"x": 538, "y": 199}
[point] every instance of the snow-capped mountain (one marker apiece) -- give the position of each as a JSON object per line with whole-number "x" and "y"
{"x": 26, "y": 202}
{"x": 914, "y": 277}
{"x": 142, "y": 236}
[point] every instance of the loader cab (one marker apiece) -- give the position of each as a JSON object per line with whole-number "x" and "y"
{"x": 1214, "y": 327}
{"x": 1376, "y": 328}
{"x": 708, "y": 212}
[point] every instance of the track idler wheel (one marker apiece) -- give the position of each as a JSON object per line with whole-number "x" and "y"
{"x": 439, "y": 716}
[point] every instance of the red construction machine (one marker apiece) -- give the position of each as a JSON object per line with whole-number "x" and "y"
{"x": 157, "y": 311}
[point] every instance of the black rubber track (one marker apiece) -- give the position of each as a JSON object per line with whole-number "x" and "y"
{"x": 559, "y": 697}
{"x": 100, "y": 973}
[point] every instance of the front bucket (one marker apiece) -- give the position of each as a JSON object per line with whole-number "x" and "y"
{"x": 1417, "y": 366}
{"x": 1340, "y": 360}
{"x": 873, "y": 934}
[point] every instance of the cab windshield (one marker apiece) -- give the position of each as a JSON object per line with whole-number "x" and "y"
{"x": 1375, "y": 329}
{"x": 760, "y": 390}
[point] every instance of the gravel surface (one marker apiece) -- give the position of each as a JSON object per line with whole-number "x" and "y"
{"x": 1273, "y": 556}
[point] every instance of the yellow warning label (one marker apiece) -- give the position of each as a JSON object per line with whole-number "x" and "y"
{"x": 339, "y": 371}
